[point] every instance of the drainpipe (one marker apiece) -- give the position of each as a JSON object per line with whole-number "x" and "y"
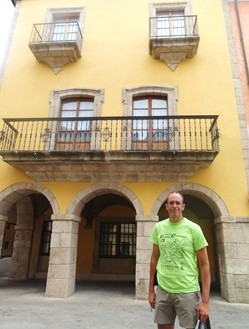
{"x": 241, "y": 39}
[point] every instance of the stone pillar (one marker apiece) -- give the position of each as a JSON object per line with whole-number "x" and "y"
{"x": 63, "y": 256}
{"x": 145, "y": 225}
{"x": 233, "y": 250}
{"x": 23, "y": 236}
{"x": 3, "y": 221}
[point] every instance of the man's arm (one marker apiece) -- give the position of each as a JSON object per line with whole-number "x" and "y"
{"x": 203, "y": 261}
{"x": 153, "y": 264}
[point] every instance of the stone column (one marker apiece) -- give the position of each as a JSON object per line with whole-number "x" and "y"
{"x": 145, "y": 225}
{"x": 63, "y": 256}
{"x": 23, "y": 236}
{"x": 3, "y": 221}
{"x": 233, "y": 250}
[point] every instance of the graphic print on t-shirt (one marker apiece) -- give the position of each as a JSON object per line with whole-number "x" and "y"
{"x": 172, "y": 250}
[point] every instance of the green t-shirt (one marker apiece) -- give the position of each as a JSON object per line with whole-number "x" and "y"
{"x": 177, "y": 270}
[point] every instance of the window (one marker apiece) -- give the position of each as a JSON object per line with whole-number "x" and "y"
{"x": 65, "y": 21}
{"x": 170, "y": 23}
{"x": 78, "y": 105}
{"x": 66, "y": 24}
{"x": 46, "y": 238}
{"x": 117, "y": 240}
{"x": 152, "y": 130}
{"x": 79, "y": 129}
{"x": 170, "y": 19}
{"x": 65, "y": 29}
{"x": 149, "y": 102}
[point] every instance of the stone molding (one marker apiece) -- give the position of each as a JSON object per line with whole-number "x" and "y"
{"x": 14, "y": 192}
{"x": 66, "y": 217}
{"x": 88, "y": 193}
{"x": 57, "y": 95}
{"x": 170, "y": 91}
{"x": 207, "y": 195}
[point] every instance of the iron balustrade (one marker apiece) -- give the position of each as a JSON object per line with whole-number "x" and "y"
{"x": 173, "y": 26}
{"x": 156, "y": 133}
{"x": 56, "y": 33}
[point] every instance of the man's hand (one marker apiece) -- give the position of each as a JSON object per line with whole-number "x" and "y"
{"x": 152, "y": 299}
{"x": 203, "y": 311}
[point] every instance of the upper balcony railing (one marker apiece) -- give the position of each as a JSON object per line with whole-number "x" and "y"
{"x": 171, "y": 27}
{"x": 158, "y": 133}
{"x": 56, "y": 33}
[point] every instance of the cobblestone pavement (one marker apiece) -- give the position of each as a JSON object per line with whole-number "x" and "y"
{"x": 95, "y": 305}
{"x": 23, "y": 305}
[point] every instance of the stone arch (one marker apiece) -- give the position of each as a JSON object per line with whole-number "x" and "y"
{"x": 16, "y": 191}
{"x": 85, "y": 195}
{"x": 214, "y": 231}
{"x": 210, "y": 197}
{"x": 24, "y": 252}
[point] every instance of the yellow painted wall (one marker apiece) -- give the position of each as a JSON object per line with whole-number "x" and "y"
{"x": 85, "y": 248}
{"x": 115, "y": 55}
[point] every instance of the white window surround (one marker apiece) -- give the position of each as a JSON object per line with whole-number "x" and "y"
{"x": 156, "y": 8}
{"x": 66, "y": 13}
{"x": 55, "y": 14}
{"x": 56, "y": 97}
{"x": 185, "y": 6}
{"x": 129, "y": 93}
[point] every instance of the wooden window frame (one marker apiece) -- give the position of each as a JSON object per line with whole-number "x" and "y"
{"x": 151, "y": 131}
{"x": 56, "y": 99}
{"x": 128, "y": 94}
{"x": 68, "y": 131}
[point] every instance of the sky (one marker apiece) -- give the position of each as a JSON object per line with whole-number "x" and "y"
{"x": 6, "y": 15}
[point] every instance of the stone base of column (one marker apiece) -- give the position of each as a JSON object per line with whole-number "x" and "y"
{"x": 142, "y": 289}
{"x": 60, "y": 287}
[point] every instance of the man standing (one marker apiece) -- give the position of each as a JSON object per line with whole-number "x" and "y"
{"x": 178, "y": 246}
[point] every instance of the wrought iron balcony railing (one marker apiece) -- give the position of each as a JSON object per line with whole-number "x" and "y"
{"x": 171, "y": 27}
{"x": 157, "y": 133}
{"x": 56, "y": 33}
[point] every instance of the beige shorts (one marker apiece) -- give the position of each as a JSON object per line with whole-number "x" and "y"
{"x": 184, "y": 306}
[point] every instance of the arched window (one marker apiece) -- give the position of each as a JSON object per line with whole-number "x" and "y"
{"x": 149, "y": 106}
{"x": 75, "y": 128}
{"x": 75, "y": 109}
{"x": 149, "y": 131}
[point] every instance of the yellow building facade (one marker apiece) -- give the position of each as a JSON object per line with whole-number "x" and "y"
{"x": 106, "y": 108}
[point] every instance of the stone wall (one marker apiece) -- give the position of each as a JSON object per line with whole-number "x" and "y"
{"x": 144, "y": 249}
{"x": 233, "y": 249}
{"x": 63, "y": 256}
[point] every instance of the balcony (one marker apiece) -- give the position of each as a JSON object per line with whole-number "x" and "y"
{"x": 132, "y": 149}
{"x": 56, "y": 44}
{"x": 173, "y": 38}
